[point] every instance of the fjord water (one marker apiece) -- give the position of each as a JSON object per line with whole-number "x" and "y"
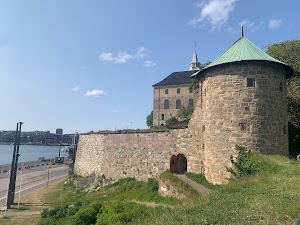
{"x": 29, "y": 153}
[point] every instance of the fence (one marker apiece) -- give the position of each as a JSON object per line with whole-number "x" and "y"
{"x": 28, "y": 165}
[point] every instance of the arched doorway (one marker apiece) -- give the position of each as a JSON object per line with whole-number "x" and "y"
{"x": 178, "y": 164}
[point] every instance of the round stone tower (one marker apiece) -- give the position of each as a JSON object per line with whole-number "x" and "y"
{"x": 242, "y": 100}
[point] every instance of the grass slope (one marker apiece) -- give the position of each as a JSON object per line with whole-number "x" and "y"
{"x": 272, "y": 196}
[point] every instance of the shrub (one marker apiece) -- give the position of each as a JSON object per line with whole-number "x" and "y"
{"x": 172, "y": 121}
{"x": 57, "y": 212}
{"x": 84, "y": 216}
{"x": 128, "y": 184}
{"x": 120, "y": 212}
{"x": 242, "y": 166}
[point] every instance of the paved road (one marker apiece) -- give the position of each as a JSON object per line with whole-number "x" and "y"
{"x": 32, "y": 179}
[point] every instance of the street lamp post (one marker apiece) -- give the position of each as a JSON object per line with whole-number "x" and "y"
{"x": 14, "y": 167}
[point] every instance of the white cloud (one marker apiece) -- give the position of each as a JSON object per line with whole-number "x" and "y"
{"x": 75, "y": 89}
{"x": 95, "y": 93}
{"x": 215, "y": 12}
{"x": 123, "y": 57}
{"x": 141, "y": 53}
{"x": 149, "y": 63}
{"x": 274, "y": 23}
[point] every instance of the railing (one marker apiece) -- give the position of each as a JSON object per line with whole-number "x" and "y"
{"x": 28, "y": 165}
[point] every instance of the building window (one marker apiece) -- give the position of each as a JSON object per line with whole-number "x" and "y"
{"x": 191, "y": 89}
{"x": 203, "y": 128}
{"x": 178, "y": 90}
{"x": 162, "y": 116}
{"x": 166, "y": 104}
{"x": 250, "y": 81}
{"x": 166, "y": 91}
{"x": 242, "y": 126}
{"x": 191, "y": 103}
{"x": 281, "y": 87}
{"x": 178, "y": 104}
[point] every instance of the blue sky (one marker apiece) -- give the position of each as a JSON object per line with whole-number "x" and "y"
{"x": 90, "y": 65}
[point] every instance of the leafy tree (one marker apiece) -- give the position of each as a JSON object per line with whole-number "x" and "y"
{"x": 172, "y": 121}
{"x": 149, "y": 119}
{"x": 184, "y": 113}
{"x": 289, "y": 53}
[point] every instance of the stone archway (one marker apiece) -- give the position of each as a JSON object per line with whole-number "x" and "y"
{"x": 178, "y": 164}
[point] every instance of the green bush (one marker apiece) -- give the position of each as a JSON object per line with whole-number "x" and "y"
{"x": 120, "y": 212}
{"x": 242, "y": 166}
{"x": 57, "y": 212}
{"x": 127, "y": 184}
{"x": 172, "y": 121}
{"x": 87, "y": 215}
{"x": 152, "y": 185}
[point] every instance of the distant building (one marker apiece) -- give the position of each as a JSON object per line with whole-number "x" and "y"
{"x": 173, "y": 92}
{"x": 59, "y": 131}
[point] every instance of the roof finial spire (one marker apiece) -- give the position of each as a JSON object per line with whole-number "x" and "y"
{"x": 242, "y": 31}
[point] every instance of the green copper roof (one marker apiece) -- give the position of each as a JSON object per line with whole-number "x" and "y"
{"x": 243, "y": 50}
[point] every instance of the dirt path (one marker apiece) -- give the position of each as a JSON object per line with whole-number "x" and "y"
{"x": 198, "y": 187}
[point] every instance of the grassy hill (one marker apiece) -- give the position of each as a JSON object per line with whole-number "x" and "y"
{"x": 272, "y": 196}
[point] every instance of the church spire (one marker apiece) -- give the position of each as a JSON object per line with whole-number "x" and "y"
{"x": 194, "y": 65}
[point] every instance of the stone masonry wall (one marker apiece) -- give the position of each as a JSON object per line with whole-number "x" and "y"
{"x": 226, "y": 105}
{"x": 139, "y": 155}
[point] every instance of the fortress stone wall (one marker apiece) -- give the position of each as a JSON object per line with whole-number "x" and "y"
{"x": 139, "y": 155}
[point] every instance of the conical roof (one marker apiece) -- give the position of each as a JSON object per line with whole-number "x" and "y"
{"x": 245, "y": 50}
{"x": 195, "y": 58}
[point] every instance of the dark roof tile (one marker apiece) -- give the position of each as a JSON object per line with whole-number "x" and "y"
{"x": 176, "y": 78}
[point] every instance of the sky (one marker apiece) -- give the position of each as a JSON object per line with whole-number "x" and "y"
{"x": 90, "y": 65}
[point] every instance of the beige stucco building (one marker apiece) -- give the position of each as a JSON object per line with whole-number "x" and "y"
{"x": 173, "y": 92}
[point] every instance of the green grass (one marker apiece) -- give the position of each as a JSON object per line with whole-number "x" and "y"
{"x": 271, "y": 196}
{"x": 200, "y": 179}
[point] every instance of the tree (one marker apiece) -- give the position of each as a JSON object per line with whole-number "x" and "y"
{"x": 289, "y": 53}
{"x": 184, "y": 113}
{"x": 149, "y": 119}
{"x": 172, "y": 121}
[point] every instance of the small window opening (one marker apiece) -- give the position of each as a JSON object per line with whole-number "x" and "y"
{"x": 190, "y": 89}
{"x": 162, "y": 116}
{"x": 166, "y": 91}
{"x": 281, "y": 87}
{"x": 203, "y": 128}
{"x": 242, "y": 126}
{"x": 250, "y": 81}
{"x": 178, "y": 90}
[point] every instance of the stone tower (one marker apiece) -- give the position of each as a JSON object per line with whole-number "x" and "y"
{"x": 242, "y": 100}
